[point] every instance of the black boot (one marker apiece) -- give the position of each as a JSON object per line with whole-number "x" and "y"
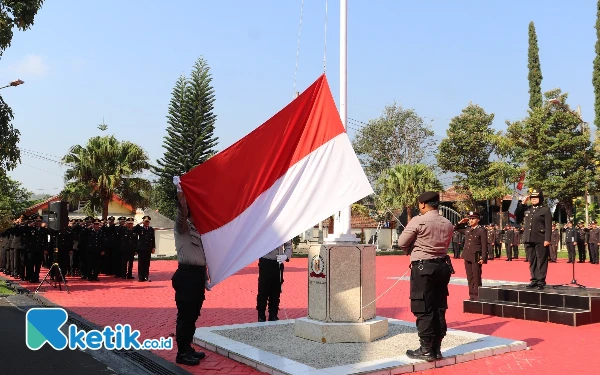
{"x": 437, "y": 347}
{"x": 187, "y": 359}
{"x": 425, "y": 352}
{"x": 273, "y": 316}
{"x": 262, "y": 317}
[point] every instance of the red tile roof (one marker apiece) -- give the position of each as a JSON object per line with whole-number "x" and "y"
{"x": 42, "y": 205}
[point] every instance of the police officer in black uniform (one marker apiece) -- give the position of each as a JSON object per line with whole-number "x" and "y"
{"x": 475, "y": 251}
{"x": 112, "y": 247}
{"x": 145, "y": 248}
{"x": 95, "y": 245}
{"x": 537, "y": 232}
{"x": 37, "y": 247}
{"x": 491, "y": 238}
{"x": 570, "y": 240}
{"x": 498, "y": 241}
{"x": 581, "y": 241}
{"x": 427, "y": 237}
{"x": 593, "y": 241}
{"x": 61, "y": 243}
{"x": 128, "y": 243}
{"x": 509, "y": 236}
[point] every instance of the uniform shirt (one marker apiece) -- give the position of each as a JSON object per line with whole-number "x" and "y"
{"x": 594, "y": 235}
{"x": 95, "y": 241}
{"x": 516, "y": 238}
{"x": 285, "y": 249}
{"x": 475, "y": 242}
{"x": 127, "y": 240}
{"x": 456, "y": 237}
{"x": 112, "y": 236}
{"x": 427, "y": 236}
{"x": 498, "y": 238}
{"x": 581, "y": 235}
{"x": 537, "y": 223}
{"x": 188, "y": 242}
{"x": 570, "y": 235}
{"x": 146, "y": 239}
{"x": 491, "y": 236}
{"x": 63, "y": 240}
{"x": 509, "y": 236}
{"x": 36, "y": 239}
{"x": 555, "y": 237}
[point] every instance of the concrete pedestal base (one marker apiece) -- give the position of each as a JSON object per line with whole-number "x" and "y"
{"x": 331, "y": 333}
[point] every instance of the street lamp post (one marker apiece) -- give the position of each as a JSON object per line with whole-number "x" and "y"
{"x": 13, "y": 84}
{"x": 584, "y": 129}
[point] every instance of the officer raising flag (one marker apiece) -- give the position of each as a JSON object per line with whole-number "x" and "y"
{"x": 427, "y": 237}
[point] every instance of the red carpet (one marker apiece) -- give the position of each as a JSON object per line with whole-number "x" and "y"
{"x": 150, "y": 308}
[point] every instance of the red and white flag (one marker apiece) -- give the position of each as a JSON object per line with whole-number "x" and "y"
{"x": 292, "y": 172}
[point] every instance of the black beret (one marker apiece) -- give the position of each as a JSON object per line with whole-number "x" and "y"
{"x": 429, "y": 196}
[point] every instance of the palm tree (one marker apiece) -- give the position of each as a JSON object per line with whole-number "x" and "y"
{"x": 103, "y": 168}
{"x": 400, "y": 186}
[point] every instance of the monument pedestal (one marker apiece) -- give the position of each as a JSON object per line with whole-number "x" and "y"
{"x": 341, "y": 291}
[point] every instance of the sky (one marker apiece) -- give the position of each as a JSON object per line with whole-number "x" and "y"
{"x": 115, "y": 62}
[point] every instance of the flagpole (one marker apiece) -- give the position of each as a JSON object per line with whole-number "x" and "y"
{"x": 345, "y": 213}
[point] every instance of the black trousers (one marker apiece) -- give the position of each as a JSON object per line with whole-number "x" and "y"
{"x": 508, "y": 250}
{"x": 34, "y": 263}
{"x": 581, "y": 250}
{"x": 515, "y": 252}
{"x": 83, "y": 263}
{"x": 93, "y": 265}
{"x": 498, "y": 249}
{"x": 62, "y": 258}
{"x": 115, "y": 259}
{"x": 571, "y": 251}
{"x": 473, "y": 278}
{"x": 23, "y": 264}
{"x": 144, "y": 264}
{"x": 490, "y": 251}
{"x": 456, "y": 250}
{"x": 593, "y": 247}
{"x": 189, "y": 284}
{"x": 270, "y": 278}
{"x": 429, "y": 298}
{"x": 553, "y": 252}
{"x": 106, "y": 262}
{"x": 538, "y": 264}
{"x": 126, "y": 266}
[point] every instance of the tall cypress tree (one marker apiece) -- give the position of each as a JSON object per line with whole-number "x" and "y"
{"x": 190, "y": 140}
{"x": 535, "y": 71}
{"x": 596, "y": 74}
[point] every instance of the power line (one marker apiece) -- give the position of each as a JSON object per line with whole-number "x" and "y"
{"x": 40, "y": 169}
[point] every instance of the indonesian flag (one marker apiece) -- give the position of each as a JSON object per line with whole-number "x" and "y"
{"x": 292, "y": 172}
{"x": 515, "y": 201}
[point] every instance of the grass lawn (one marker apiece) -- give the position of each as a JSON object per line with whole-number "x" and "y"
{"x": 4, "y": 289}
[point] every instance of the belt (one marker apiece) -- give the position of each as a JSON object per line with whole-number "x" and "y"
{"x": 423, "y": 261}
{"x": 190, "y": 266}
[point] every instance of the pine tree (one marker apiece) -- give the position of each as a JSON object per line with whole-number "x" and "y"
{"x": 190, "y": 140}
{"x": 535, "y": 70}
{"x": 596, "y": 74}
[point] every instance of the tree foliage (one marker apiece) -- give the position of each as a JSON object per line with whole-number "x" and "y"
{"x": 105, "y": 167}
{"x": 13, "y": 200}
{"x": 19, "y": 14}
{"x": 556, "y": 150}
{"x": 481, "y": 158}
{"x": 400, "y": 186}
{"x": 190, "y": 140}
{"x": 535, "y": 70}
{"x": 398, "y": 136}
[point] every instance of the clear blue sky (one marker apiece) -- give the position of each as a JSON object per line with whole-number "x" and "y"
{"x": 87, "y": 60}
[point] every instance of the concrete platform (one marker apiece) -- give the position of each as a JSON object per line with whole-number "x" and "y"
{"x": 273, "y": 348}
{"x": 331, "y": 333}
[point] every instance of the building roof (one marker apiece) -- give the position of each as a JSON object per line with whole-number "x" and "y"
{"x": 362, "y": 221}
{"x": 42, "y": 205}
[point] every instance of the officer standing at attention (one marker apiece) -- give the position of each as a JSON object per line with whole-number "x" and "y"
{"x": 426, "y": 238}
{"x": 516, "y": 243}
{"x": 581, "y": 241}
{"x": 456, "y": 240}
{"x": 475, "y": 251}
{"x": 554, "y": 240}
{"x": 498, "y": 242}
{"x": 593, "y": 241}
{"x": 491, "y": 239}
{"x": 189, "y": 281}
{"x": 145, "y": 248}
{"x": 537, "y": 231}
{"x": 128, "y": 242}
{"x": 509, "y": 236}
{"x": 270, "y": 278}
{"x": 570, "y": 240}
{"x": 95, "y": 245}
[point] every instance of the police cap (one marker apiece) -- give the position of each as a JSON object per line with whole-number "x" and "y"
{"x": 429, "y": 196}
{"x": 129, "y": 220}
{"x": 474, "y": 215}
{"x": 536, "y": 193}
{"x": 146, "y": 218}
{"x": 111, "y": 218}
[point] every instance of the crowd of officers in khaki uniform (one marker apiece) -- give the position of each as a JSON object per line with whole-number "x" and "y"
{"x": 86, "y": 248}
{"x": 578, "y": 240}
